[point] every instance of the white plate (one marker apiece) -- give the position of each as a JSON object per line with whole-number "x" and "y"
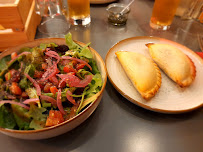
{"x": 101, "y": 1}
{"x": 170, "y": 97}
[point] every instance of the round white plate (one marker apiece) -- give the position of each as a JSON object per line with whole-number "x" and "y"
{"x": 170, "y": 97}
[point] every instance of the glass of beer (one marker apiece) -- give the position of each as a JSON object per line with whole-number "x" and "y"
{"x": 163, "y": 13}
{"x": 79, "y": 12}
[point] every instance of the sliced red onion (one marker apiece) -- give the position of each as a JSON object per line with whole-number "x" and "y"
{"x": 49, "y": 99}
{"x": 85, "y": 82}
{"x": 74, "y": 81}
{"x": 14, "y": 102}
{"x": 65, "y": 75}
{"x": 50, "y": 72}
{"x": 70, "y": 98}
{"x": 53, "y": 54}
{"x": 54, "y": 80}
{"x": 24, "y": 53}
{"x": 78, "y": 60}
{"x": 64, "y": 79}
{"x": 27, "y": 101}
{"x": 21, "y": 66}
{"x": 34, "y": 83}
{"x": 59, "y": 103}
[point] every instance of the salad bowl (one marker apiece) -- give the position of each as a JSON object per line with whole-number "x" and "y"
{"x": 71, "y": 123}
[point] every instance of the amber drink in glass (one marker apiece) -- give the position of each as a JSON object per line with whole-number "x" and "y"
{"x": 79, "y": 12}
{"x": 163, "y": 13}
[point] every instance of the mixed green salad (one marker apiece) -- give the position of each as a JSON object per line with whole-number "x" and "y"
{"x": 47, "y": 85}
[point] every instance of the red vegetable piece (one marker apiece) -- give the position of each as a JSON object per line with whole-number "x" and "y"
{"x": 38, "y": 74}
{"x": 47, "y": 87}
{"x": 80, "y": 66}
{"x": 54, "y": 118}
{"x": 13, "y": 55}
{"x": 24, "y": 95}
{"x": 15, "y": 89}
{"x": 78, "y": 60}
{"x": 53, "y": 90}
{"x": 44, "y": 66}
{"x": 54, "y": 80}
{"x": 69, "y": 68}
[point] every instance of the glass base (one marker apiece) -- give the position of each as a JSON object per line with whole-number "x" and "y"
{"x": 159, "y": 27}
{"x": 54, "y": 27}
{"x": 83, "y": 21}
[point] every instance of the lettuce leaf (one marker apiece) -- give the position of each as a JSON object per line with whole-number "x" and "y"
{"x": 69, "y": 41}
{"x": 93, "y": 64}
{"x": 21, "y": 122}
{"x": 44, "y": 45}
{"x": 38, "y": 117}
{"x": 21, "y": 116}
{"x": 24, "y": 83}
{"x": 7, "y": 119}
{"x": 95, "y": 85}
{"x": 81, "y": 51}
{"x": 3, "y": 62}
{"x": 85, "y": 52}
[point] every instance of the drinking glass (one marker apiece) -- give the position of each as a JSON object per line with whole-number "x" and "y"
{"x": 79, "y": 12}
{"x": 53, "y": 20}
{"x": 163, "y": 13}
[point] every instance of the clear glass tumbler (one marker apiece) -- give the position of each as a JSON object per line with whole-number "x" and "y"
{"x": 79, "y": 12}
{"x": 163, "y": 13}
{"x": 53, "y": 22}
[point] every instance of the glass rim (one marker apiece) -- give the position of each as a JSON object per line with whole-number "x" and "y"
{"x": 118, "y": 5}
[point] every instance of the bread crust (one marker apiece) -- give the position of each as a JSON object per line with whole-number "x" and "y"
{"x": 175, "y": 64}
{"x": 142, "y": 71}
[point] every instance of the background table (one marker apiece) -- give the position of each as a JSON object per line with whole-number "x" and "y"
{"x": 118, "y": 125}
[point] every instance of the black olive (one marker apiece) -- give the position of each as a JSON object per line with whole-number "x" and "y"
{"x": 62, "y": 48}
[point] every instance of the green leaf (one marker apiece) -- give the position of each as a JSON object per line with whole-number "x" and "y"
{"x": 23, "y": 124}
{"x": 85, "y": 52}
{"x": 95, "y": 85}
{"x": 46, "y": 104}
{"x": 93, "y": 64}
{"x": 7, "y": 119}
{"x": 69, "y": 41}
{"x": 25, "y": 49}
{"x": 32, "y": 93}
{"x": 34, "y": 124}
{"x": 39, "y": 119}
{"x": 37, "y": 57}
{"x": 3, "y": 62}
{"x": 37, "y": 113}
{"x": 44, "y": 45}
{"x": 24, "y": 83}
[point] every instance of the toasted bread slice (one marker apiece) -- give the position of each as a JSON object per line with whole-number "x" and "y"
{"x": 142, "y": 71}
{"x": 178, "y": 66}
